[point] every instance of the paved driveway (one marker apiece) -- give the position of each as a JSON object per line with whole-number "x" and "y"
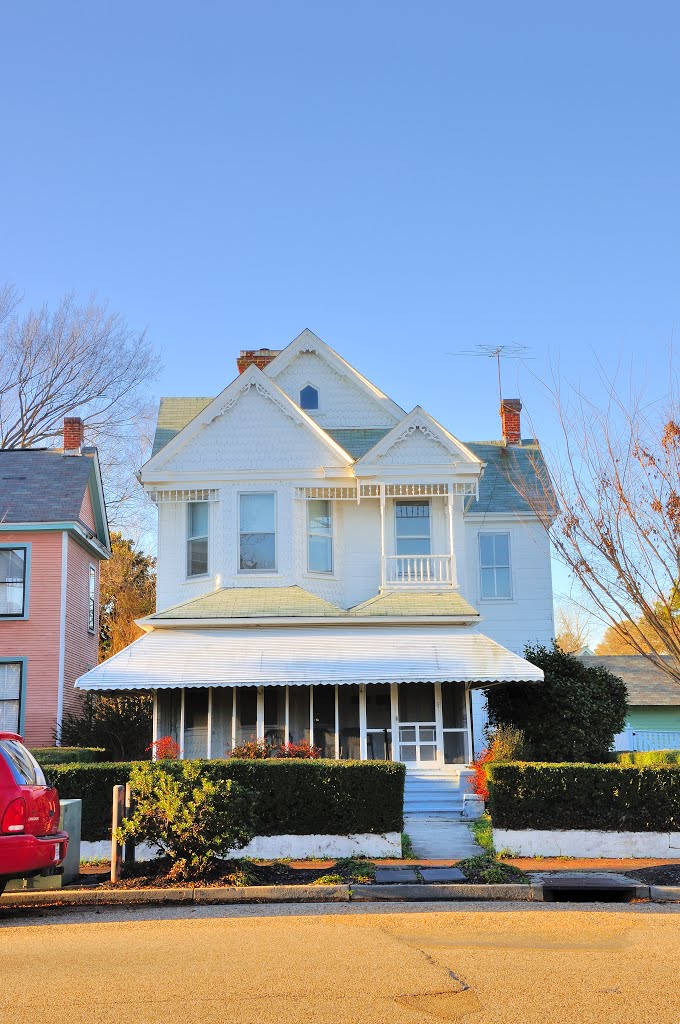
{"x": 409, "y": 964}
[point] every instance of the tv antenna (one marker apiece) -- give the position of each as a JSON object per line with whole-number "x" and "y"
{"x": 510, "y": 351}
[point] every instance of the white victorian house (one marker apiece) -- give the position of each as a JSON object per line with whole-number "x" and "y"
{"x": 332, "y": 568}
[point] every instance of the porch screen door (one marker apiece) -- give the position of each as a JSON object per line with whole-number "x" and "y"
{"x": 417, "y": 724}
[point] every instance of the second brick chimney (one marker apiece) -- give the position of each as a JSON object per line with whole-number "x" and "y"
{"x": 74, "y": 435}
{"x": 260, "y": 356}
{"x": 510, "y": 420}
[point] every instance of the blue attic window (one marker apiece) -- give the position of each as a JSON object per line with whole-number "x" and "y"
{"x": 309, "y": 398}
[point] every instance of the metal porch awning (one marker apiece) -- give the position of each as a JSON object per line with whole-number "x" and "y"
{"x": 268, "y": 656}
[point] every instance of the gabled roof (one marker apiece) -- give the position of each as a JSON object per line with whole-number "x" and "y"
{"x": 429, "y": 603}
{"x": 43, "y": 486}
{"x": 251, "y": 377}
{"x": 355, "y": 441}
{"x": 647, "y": 685}
{"x": 308, "y": 342}
{"x": 173, "y": 416}
{"x": 419, "y": 420}
{"x": 250, "y": 603}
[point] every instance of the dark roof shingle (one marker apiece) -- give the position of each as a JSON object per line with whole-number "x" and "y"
{"x": 42, "y": 486}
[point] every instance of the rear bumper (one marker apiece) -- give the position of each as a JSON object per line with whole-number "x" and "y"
{"x": 22, "y": 856}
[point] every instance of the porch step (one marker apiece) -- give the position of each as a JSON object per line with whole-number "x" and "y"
{"x": 434, "y": 793}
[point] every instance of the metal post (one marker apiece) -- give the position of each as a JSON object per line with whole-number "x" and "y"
{"x": 129, "y": 847}
{"x": 116, "y": 822}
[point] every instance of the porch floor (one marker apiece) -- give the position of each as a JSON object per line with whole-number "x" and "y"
{"x": 440, "y": 837}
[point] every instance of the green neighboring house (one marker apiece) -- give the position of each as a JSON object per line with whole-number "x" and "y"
{"x": 653, "y": 721}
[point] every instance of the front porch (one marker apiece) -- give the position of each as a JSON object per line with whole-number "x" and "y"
{"x": 427, "y": 725}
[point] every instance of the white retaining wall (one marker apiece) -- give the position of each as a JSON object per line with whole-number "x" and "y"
{"x": 586, "y": 843}
{"x": 361, "y": 844}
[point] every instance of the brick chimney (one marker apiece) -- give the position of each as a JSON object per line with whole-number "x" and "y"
{"x": 260, "y": 356}
{"x": 510, "y": 420}
{"x": 74, "y": 435}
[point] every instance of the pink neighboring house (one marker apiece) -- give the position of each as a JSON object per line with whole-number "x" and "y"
{"x": 53, "y": 537}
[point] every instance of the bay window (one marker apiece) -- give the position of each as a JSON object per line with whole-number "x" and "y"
{"x": 257, "y": 532}
{"x": 319, "y": 536}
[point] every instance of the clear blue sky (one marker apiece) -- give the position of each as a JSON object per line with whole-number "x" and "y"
{"x": 404, "y": 179}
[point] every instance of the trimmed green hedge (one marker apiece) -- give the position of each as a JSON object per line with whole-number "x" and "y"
{"x": 611, "y": 797}
{"x": 647, "y": 757}
{"x": 67, "y": 755}
{"x": 300, "y": 797}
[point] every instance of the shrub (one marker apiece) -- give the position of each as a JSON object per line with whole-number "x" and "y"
{"x": 479, "y": 764}
{"x": 122, "y": 726}
{"x": 486, "y": 870}
{"x": 648, "y": 757}
{"x": 300, "y": 797}
{"x": 192, "y": 819}
{"x": 165, "y": 749}
{"x": 610, "y": 797}
{"x": 302, "y": 749}
{"x": 505, "y": 744}
{"x": 253, "y": 750}
{"x": 573, "y": 715}
{"x": 67, "y": 755}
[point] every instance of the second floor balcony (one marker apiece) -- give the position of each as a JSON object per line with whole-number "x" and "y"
{"x": 422, "y": 571}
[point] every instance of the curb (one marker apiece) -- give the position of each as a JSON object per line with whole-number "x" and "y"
{"x": 510, "y": 893}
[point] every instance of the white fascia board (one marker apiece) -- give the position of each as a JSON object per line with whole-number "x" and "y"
{"x": 308, "y": 341}
{"x": 252, "y": 376}
{"x": 419, "y": 418}
{"x": 329, "y": 622}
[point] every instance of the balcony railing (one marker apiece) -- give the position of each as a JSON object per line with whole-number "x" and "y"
{"x": 417, "y": 571}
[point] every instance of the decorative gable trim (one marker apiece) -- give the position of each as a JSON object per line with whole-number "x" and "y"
{"x": 419, "y": 421}
{"x": 252, "y": 377}
{"x": 309, "y": 343}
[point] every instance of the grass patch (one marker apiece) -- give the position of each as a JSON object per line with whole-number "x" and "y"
{"x": 487, "y": 870}
{"x": 407, "y": 847}
{"x": 483, "y": 833}
{"x": 328, "y": 880}
{"x": 355, "y": 869}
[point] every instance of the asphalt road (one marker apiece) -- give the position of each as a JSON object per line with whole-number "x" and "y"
{"x": 402, "y": 963}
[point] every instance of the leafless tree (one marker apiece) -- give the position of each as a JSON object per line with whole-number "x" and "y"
{"x": 612, "y": 508}
{"x": 78, "y": 360}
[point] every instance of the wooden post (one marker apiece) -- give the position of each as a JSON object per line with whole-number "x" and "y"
{"x": 116, "y": 822}
{"x": 129, "y": 847}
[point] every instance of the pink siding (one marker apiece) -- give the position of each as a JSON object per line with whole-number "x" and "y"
{"x": 81, "y": 646}
{"x": 37, "y": 638}
{"x": 86, "y": 510}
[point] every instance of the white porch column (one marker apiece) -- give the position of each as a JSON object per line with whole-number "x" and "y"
{"x": 439, "y": 723}
{"x": 286, "y": 738}
{"x": 382, "y": 534}
{"x": 337, "y": 723}
{"x": 260, "y": 713}
{"x": 468, "y": 716}
{"x": 394, "y": 708}
{"x": 363, "y": 743}
{"x": 154, "y": 727}
{"x": 210, "y": 719}
{"x": 452, "y": 549}
{"x": 181, "y": 724}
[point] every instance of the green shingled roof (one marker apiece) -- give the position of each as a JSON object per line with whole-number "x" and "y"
{"x": 251, "y": 603}
{"x": 404, "y": 602}
{"x": 173, "y": 416}
{"x": 357, "y": 442}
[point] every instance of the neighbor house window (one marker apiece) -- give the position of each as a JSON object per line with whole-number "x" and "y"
{"x": 91, "y": 598}
{"x": 494, "y": 565}
{"x": 412, "y": 527}
{"x": 257, "y": 532}
{"x": 13, "y": 582}
{"x": 197, "y": 540}
{"x": 309, "y": 398}
{"x": 10, "y": 696}
{"x": 319, "y": 536}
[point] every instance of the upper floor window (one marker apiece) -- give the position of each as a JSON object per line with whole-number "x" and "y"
{"x": 197, "y": 538}
{"x": 319, "y": 536}
{"x": 309, "y": 398}
{"x": 412, "y": 527}
{"x": 10, "y": 696}
{"x": 257, "y": 532}
{"x": 494, "y": 566}
{"x": 91, "y": 599}
{"x": 13, "y": 582}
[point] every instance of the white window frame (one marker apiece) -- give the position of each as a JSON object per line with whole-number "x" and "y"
{"x": 494, "y": 533}
{"x": 258, "y": 572}
{"x": 92, "y": 598}
{"x": 398, "y": 502}
{"x": 26, "y": 548}
{"x": 324, "y": 573}
{"x": 197, "y": 575}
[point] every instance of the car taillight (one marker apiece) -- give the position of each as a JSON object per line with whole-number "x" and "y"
{"x": 14, "y": 818}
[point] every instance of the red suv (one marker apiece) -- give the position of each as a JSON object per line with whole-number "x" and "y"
{"x": 30, "y": 840}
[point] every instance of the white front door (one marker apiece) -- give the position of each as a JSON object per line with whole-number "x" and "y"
{"x": 418, "y": 724}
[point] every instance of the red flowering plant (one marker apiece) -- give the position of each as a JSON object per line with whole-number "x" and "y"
{"x": 253, "y": 750}
{"x": 505, "y": 744}
{"x": 301, "y": 749}
{"x": 164, "y": 749}
{"x": 480, "y": 786}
